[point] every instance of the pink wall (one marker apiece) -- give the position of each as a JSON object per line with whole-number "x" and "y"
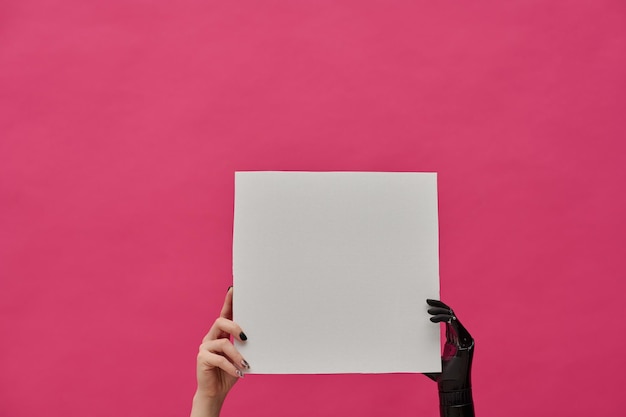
{"x": 122, "y": 122}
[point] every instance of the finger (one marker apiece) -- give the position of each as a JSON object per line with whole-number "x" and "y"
{"x": 223, "y": 325}
{"x": 439, "y": 310}
{"x": 227, "y": 308}
{"x": 437, "y": 303}
{"x": 441, "y": 318}
{"x": 210, "y": 360}
{"x": 225, "y": 348}
{"x": 465, "y": 340}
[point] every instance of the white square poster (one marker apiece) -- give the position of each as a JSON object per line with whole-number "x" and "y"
{"x": 332, "y": 270}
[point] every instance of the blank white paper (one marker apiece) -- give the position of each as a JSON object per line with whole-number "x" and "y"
{"x": 332, "y": 271}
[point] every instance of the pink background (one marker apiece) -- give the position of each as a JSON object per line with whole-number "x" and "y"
{"x": 122, "y": 123}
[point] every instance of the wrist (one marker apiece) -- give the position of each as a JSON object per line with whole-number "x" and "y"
{"x": 456, "y": 403}
{"x": 456, "y": 397}
{"x": 206, "y": 406}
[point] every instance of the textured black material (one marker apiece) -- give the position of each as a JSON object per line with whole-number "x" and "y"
{"x": 466, "y": 410}
{"x": 463, "y": 396}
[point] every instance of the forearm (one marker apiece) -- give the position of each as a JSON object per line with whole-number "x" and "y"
{"x": 204, "y": 406}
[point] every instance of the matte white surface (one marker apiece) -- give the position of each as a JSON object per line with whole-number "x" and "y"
{"x": 332, "y": 270}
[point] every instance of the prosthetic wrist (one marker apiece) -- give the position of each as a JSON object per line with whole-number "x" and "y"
{"x": 455, "y": 387}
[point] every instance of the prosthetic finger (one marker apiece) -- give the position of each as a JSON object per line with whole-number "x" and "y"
{"x": 464, "y": 338}
{"x": 437, "y": 303}
{"x": 439, "y": 310}
{"x": 439, "y": 318}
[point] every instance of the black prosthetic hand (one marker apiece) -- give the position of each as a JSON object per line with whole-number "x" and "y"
{"x": 454, "y": 381}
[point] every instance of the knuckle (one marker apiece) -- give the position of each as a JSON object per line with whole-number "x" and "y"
{"x": 205, "y": 345}
{"x": 223, "y": 343}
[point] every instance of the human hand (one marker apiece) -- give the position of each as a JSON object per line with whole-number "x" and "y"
{"x": 219, "y": 364}
{"x": 454, "y": 381}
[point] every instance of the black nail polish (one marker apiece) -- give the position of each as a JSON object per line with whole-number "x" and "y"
{"x": 243, "y": 336}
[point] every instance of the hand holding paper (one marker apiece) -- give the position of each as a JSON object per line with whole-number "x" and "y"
{"x": 454, "y": 382}
{"x": 219, "y": 364}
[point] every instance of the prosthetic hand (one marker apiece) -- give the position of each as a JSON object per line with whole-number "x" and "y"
{"x": 454, "y": 382}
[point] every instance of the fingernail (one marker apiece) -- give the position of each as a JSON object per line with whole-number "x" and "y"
{"x": 239, "y": 373}
{"x": 245, "y": 364}
{"x": 229, "y": 288}
{"x": 243, "y": 336}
